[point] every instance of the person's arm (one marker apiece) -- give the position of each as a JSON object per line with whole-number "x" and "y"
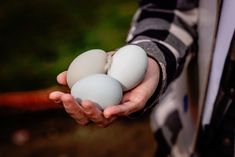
{"x": 166, "y": 30}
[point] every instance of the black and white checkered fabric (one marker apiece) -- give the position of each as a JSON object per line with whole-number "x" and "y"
{"x": 166, "y": 29}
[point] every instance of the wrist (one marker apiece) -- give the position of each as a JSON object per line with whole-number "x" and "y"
{"x": 152, "y": 75}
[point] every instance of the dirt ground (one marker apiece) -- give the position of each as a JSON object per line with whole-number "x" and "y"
{"x": 52, "y": 133}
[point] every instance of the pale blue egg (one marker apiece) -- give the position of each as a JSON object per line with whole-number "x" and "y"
{"x": 99, "y": 88}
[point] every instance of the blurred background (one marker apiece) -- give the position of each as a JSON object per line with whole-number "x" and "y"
{"x": 39, "y": 39}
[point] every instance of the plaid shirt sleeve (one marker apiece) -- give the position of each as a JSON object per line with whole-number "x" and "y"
{"x": 166, "y": 30}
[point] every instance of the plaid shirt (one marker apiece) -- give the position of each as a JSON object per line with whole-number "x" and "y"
{"x": 166, "y": 30}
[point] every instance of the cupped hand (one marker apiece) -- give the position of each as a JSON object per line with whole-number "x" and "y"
{"x": 133, "y": 100}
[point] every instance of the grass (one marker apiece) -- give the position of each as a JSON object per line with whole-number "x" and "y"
{"x": 40, "y": 38}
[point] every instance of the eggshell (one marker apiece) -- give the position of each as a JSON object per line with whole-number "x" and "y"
{"x": 99, "y": 88}
{"x": 89, "y": 62}
{"x": 129, "y": 65}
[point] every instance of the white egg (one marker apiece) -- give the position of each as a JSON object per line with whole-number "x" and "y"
{"x": 99, "y": 88}
{"x": 129, "y": 65}
{"x": 89, "y": 62}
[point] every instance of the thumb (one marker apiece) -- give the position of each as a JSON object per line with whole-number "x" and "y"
{"x": 61, "y": 78}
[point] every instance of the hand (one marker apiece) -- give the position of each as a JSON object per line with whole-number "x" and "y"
{"x": 133, "y": 100}
{"x": 83, "y": 113}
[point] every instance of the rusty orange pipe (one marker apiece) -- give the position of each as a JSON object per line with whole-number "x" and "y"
{"x": 28, "y": 100}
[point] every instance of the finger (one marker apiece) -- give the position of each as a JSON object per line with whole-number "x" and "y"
{"x": 74, "y": 109}
{"x": 108, "y": 122}
{"x": 111, "y": 53}
{"x": 96, "y": 115}
{"x": 56, "y": 96}
{"x": 126, "y": 97}
{"x": 121, "y": 110}
{"x": 93, "y": 112}
{"x": 61, "y": 78}
{"x": 109, "y": 60}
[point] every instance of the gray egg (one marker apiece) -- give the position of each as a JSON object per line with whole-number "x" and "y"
{"x": 99, "y": 88}
{"x": 89, "y": 62}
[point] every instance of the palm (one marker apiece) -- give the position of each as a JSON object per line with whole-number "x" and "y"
{"x": 132, "y": 101}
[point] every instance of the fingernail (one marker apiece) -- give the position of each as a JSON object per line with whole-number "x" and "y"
{"x": 107, "y": 115}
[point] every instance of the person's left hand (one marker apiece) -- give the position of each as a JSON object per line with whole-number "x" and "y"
{"x": 133, "y": 100}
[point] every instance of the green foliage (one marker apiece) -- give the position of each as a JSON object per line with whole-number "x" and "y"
{"x": 40, "y": 38}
